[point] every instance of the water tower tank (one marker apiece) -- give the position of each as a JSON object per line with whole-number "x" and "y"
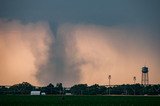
{"x": 144, "y": 69}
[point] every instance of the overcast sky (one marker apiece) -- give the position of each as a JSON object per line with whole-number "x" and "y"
{"x": 129, "y": 31}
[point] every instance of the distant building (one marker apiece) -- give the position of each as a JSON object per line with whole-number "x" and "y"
{"x": 35, "y": 93}
{"x": 68, "y": 94}
{"x": 43, "y": 93}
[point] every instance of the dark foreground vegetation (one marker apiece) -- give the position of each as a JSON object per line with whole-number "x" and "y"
{"x": 81, "y": 89}
{"x": 15, "y": 100}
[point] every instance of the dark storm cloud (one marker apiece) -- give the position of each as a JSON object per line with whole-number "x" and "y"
{"x": 104, "y": 12}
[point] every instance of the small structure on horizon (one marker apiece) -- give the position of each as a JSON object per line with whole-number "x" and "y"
{"x": 134, "y": 79}
{"x": 109, "y": 78}
{"x": 43, "y": 93}
{"x": 35, "y": 93}
{"x": 68, "y": 94}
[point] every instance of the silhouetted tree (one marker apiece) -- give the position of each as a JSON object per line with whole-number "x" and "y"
{"x": 94, "y": 89}
{"x": 79, "y": 89}
{"x": 102, "y": 90}
{"x": 49, "y": 89}
{"x": 3, "y": 90}
{"x": 59, "y": 88}
{"x": 22, "y": 88}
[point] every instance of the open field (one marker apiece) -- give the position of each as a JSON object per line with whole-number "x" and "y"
{"x": 12, "y": 100}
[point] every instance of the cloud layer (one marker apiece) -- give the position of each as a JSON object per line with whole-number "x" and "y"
{"x": 24, "y": 49}
{"x": 76, "y": 54}
{"x": 89, "y": 53}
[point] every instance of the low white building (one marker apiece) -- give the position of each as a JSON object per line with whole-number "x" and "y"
{"x": 43, "y": 93}
{"x": 68, "y": 94}
{"x": 35, "y": 93}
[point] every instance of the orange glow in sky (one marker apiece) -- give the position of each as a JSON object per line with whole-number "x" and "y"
{"x": 105, "y": 51}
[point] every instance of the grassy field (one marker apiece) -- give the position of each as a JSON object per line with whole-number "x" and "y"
{"x": 12, "y": 100}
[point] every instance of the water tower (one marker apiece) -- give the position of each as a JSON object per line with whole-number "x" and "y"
{"x": 145, "y": 79}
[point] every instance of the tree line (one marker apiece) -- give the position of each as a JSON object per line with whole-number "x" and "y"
{"x": 83, "y": 89}
{"x": 26, "y": 88}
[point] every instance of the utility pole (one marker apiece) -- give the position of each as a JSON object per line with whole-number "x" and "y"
{"x": 109, "y": 78}
{"x": 134, "y": 79}
{"x": 134, "y": 90}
